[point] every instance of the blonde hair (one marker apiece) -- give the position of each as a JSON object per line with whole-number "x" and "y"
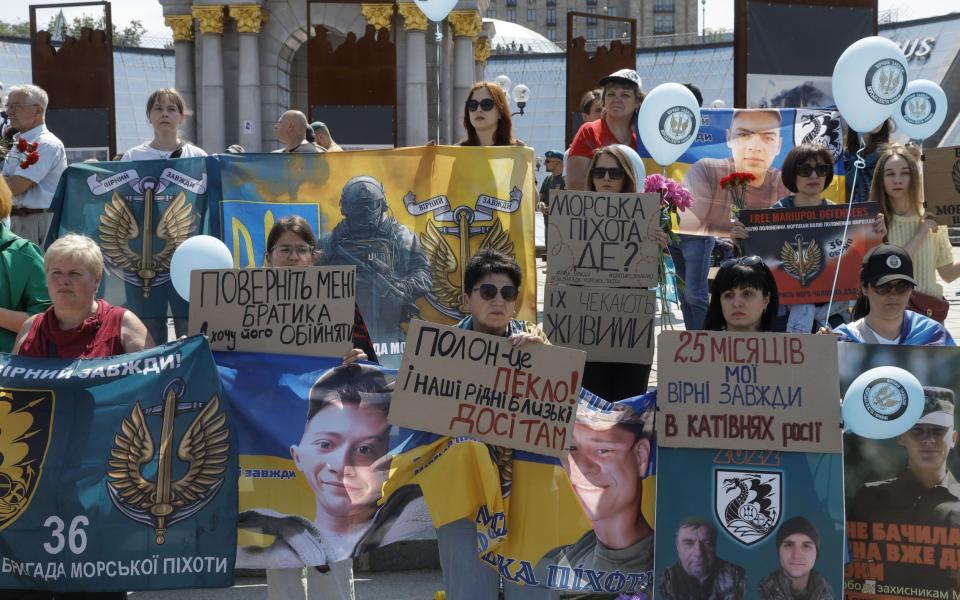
{"x": 630, "y": 185}
{"x": 878, "y": 193}
{"x": 6, "y": 199}
{"x": 76, "y": 247}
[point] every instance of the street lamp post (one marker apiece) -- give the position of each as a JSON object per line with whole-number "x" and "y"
{"x": 520, "y": 93}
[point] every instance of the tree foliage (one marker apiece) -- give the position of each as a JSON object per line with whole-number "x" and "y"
{"x": 131, "y": 35}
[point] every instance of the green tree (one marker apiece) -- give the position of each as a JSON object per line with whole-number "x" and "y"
{"x": 20, "y": 29}
{"x": 130, "y": 36}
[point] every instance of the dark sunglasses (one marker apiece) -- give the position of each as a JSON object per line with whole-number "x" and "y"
{"x": 898, "y": 287}
{"x": 806, "y": 170}
{"x": 486, "y": 104}
{"x": 614, "y": 173}
{"x": 747, "y": 261}
{"x": 488, "y": 291}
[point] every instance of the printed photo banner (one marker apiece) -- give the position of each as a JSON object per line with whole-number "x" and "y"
{"x": 117, "y": 473}
{"x": 462, "y": 383}
{"x": 761, "y": 391}
{"x": 289, "y": 310}
{"x": 408, "y": 219}
{"x": 902, "y": 494}
{"x": 602, "y": 239}
{"x": 138, "y": 213}
{"x": 941, "y": 184}
{"x": 753, "y": 141}
{"x": 805, "y": 246}
{"x": 609, "y": 324}
{"x": 296, "y": 425}
{"x": 759, "y": 517}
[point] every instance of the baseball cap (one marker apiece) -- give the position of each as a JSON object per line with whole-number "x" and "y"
{"x": 553, "y": 154}
{"x": 628, "y": 76}
{"x": 937, "y": 407}
{"x": 886, "y": 263}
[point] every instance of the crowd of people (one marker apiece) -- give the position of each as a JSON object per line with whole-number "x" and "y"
{"x": 49, "y": 308}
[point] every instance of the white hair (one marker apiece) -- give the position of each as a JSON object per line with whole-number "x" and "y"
{"x": 79, "y": 248}
{"x": 35, "y": 94}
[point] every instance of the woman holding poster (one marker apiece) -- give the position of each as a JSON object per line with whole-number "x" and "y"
{"x": 744, "y": 297}
{"x": 896, "y": 188}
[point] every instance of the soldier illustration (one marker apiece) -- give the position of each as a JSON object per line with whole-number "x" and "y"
{"x": 392, "y": 270}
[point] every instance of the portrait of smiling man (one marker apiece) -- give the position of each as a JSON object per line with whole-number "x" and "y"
{"x": 798, "y": 547}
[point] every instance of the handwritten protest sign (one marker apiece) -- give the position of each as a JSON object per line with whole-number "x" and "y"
{"x": 458, "y": 382}
{"x": 602, "y": 239}
{"x": 610, "y": 324}
{"x": 941, "y": 184}
{"x": 804, "y": 246}
{"x": 747, "y": 391}
{"x": 305, "y": 310}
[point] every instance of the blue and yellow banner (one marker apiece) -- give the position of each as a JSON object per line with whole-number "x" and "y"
{"x": 117, "y": 473}
{"x": 753, "y": 141}
{"x": 409, "y": 219}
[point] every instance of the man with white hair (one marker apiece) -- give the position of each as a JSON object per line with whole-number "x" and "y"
{"x": 291, "y": 131}
{"x": 33, "y": 185}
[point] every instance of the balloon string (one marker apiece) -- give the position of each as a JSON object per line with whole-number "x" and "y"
{"x": 858, "y": 165}
{"x": 438, "y": 38}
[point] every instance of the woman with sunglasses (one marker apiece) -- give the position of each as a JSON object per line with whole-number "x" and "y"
{"x": 486, "y": 117}
{"x": 896, "y": 188}
{"x": 491, "y": 284}
{"x": 880, "y": 314}
{"x": 292, "y": 243}
{"x": 744, "y": 297}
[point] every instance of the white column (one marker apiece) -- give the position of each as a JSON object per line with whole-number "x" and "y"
{"x": 185, "y": 78}
{"x": 415, "y": 26}
{"x": 466, "y": 26}
{"x": 212, "y": 137}
{"x": 250, "y": 116}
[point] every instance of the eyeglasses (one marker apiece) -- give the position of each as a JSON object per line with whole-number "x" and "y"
{"x": 286, "y": 251}
{"x": 614, "y": 173}
{"x": 18, "y": 105}
{"x": 486, "y": 104}
{"x": 897, "y": 287}
{"x": 488, "y": 291}
{"x": 747, "y": 261}
{"x": 806, "y": 170}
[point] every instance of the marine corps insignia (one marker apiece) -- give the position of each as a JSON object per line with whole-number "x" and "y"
{"x": 747, "y": 503}
{"x": 677, "y": 124}
{"x": 885, "y": 399}
{"x": 885, "y": 81}
{"x": 119, "y": 227}
{"x": 802, "y": 261}
{"x": 26, "y": 422}
{"x": 918, "y": 108}
{"x": 182, "y": 488}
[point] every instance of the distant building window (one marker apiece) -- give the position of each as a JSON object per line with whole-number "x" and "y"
{"x": 663, "y": 24}
{"x": 592, "y": 20}
{"x": 663, "y": 6}
{"x": 491, "y": 13}
{"x": 531, "y": 14}
{"x": 551, "y": 34}
{"x": 611, "y": 32}
{"x": 611, "y": 11}
{"x": 591, "y": 33}
{"x": 551, "y": 15}
{"x": 512, "y": 16}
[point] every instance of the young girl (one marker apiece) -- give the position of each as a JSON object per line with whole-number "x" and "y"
{"x": 166, "y": 113}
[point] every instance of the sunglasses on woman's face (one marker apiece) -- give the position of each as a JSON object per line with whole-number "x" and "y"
{"x": 488, "y": 291}
{"x": 611, "y": 172}
{"x": 486, "y": 105}
{"x": 897, "y": 287}
{"x": 747, "y": 261}
{"x": 806, "y": 170}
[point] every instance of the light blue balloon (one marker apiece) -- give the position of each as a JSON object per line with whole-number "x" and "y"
{"x": 436, "y": 10}
{"x": 868, "y": 81}
{"x": 882, "y": 403}
{"x": 637, "y": 163}
{"x": 199, "y": 252}
{"x": 922, "y": 109}
{"x": 668, "y": 122}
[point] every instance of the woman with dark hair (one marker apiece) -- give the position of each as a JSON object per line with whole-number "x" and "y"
{"x": 486, "y": 117}
{"x": 875, "y": 141}
{"x": 880, "y": 314}
{"x": 897, "y": 189}
{"x": 621, "y": 101}
{"x": 744, "y": 297}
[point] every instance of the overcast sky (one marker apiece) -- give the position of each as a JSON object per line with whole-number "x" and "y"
{"x": 719, "y": 13}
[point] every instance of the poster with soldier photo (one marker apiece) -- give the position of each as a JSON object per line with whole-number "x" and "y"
{"x": 902, "y": 494}
{"x": 408, "y": 219}
{"x": 764, "y": 525}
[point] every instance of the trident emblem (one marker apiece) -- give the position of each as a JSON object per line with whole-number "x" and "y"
{"x": 204, "y": 448}
{"x": 801, "y": 262}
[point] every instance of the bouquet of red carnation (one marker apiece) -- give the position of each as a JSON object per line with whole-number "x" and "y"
{"x": 736, "y": 183}
{"x": 21, "y": 150}
{"x": 674, "y": 199}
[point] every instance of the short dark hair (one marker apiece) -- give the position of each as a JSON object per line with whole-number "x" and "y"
{"x": 587, "y": 100}
{"x": 799, "y": 155}
{"x": 738, "y": 275}
{"x": 744, "y": 112}
{"x": 697, "y": 523}
{"x": 297, "y": 225}
{"x": 363, "y": 386}
{"x": 696, "y": 93}
{"x": 489, "y": 261}
{"x": 309, "y": 135}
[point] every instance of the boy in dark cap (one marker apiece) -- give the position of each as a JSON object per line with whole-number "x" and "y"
{"x": 798, "y": 546}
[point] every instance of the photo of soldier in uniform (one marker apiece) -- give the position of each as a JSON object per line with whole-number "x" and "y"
{"x": 798, "y": 547}
{"x": 700, "y": 574}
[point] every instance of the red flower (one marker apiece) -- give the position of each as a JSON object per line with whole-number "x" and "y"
{"x": 24, "y": 164}
{"x": 33, "y": 147}
{"x": 33, "y": 158}
{"x": 22, "y": 145}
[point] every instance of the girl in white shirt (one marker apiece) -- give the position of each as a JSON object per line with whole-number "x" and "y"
{"x": 166, "y": 113}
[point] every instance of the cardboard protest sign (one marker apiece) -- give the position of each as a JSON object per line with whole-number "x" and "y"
{"x": 768, "y": 514}
{"x": 610, "y": 324}
{"x": 902, "y": 493}
{"x": 458, "y": 382}
{"x": 748, "y": 391}
{"x": 291, "y": 310}
{"x": 602, "y": 239}
{"x": 804, "y": 246}
{"x": 941, "y": 184}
